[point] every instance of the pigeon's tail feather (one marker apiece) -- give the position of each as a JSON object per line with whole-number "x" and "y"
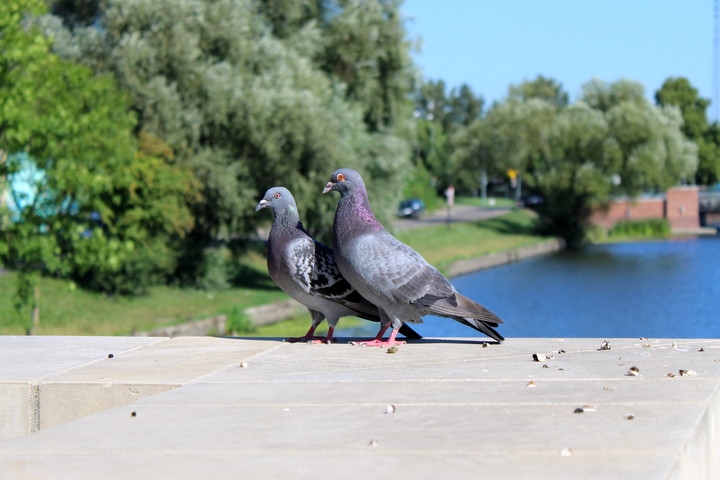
{"x": 408, "y": 332}
{"x": 481, "y": 326}
{"x": 470, "y": 313}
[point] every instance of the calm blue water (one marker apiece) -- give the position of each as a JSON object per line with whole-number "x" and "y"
{"x": 653, "y": 289}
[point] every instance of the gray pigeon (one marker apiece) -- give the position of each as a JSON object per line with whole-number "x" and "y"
{"x": 305, "y": 269}
{"x": 390, "y": 274}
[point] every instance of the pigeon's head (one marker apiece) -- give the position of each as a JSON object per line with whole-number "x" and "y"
{"x": 277, "y": 199}
{"x": 344, "y": 180}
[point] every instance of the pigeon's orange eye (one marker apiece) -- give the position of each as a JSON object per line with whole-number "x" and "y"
{"x": 341, "y": 177}
{"x": 277, "y": 195}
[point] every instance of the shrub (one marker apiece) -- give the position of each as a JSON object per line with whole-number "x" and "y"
{"x": 647, "y": 227}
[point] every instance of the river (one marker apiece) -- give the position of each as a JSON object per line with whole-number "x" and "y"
{"x": 665, "y": 289}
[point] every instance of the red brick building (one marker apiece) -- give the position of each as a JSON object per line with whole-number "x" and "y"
{"x": 679, "y": 205}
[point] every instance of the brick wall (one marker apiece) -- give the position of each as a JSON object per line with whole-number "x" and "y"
{"x": 680, "y": 206}
{"x": 629, "y": 210}
{"x": 683, "y": 208}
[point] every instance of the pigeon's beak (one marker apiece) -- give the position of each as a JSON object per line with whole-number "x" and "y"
{"x": 263, "y": 203}
{"x": 328, "y": 187}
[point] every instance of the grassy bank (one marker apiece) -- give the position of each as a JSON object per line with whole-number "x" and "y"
{"x": 66, "y": 310}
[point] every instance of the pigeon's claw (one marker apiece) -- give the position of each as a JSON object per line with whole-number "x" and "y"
{"x": 304, "y": 338}
{"x": 379, "y": 343}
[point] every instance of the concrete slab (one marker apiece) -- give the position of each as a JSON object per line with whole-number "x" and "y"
{"x": 30, "y": 358}
{"x": 45, "y": 381}
{"x": 435, "y": 408}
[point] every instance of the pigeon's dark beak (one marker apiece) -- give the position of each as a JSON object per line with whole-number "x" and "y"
{"x": 263, "y": 203}
{"x": 328, "y": 187}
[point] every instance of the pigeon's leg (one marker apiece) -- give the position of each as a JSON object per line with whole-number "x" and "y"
{"x": 327, "y": 339}
{"x": 317, "y": 317}
{"x": 379, "y": 342}
{"x": 305, "y": 338}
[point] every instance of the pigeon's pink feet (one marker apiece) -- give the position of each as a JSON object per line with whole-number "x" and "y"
{"x": 328, "y": 339}
{"x": 379, "y": 342}
{"x": 309, "y": 338}
{"x": 305, "y": 338}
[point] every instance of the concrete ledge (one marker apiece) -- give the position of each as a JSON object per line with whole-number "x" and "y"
{"x": 260, "y": 408}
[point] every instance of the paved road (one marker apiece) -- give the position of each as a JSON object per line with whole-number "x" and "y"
{"x": 460, "y": 213}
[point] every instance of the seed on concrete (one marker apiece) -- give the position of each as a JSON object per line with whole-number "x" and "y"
{"x": 243, "y": 364}
{"x": 633, "y": 372}
{"x": 531, "y": 383}
{"x": 605, "y": 345}
{"x": 539, "y": 357}
{"x": 392, "y": 350}
{"x": 687, "y": 373}
{"x": 566, "y": 452}
{"x": 390, "y": 409}
{"x": 110, "y": 355}
{"x": 133, "y": 414}
{"x": 629, "y": 416}
{"x": 373, "y": 443}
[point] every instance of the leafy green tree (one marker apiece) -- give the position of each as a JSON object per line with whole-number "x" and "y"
{"x": 438, "y": 116}
{"x": 251, "y": 94}
{"x": 94, "y": 201}
{"x": 577, "y": 156}
{"x": 679, "y": 92}
{"x": 542, "y": 88}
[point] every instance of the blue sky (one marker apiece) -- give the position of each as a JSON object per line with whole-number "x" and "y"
{"x": 490, "y": 44}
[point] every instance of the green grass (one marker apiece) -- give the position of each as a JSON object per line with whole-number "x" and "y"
{"x": 443, "y": 245}
{"x": 66, "y": 310}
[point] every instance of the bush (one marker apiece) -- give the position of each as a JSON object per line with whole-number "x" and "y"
{"x": 647, "y": 227}
{"x": 238, "y": 323}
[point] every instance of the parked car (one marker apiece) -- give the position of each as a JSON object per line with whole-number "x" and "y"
{"x": 411, "y": 208}
{"x": 531, "y": 201}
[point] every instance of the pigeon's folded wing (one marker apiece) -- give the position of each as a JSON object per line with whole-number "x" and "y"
{"x": 396, "y": 271}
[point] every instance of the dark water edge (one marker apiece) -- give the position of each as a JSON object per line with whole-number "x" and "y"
{"x": 664, "y": 289}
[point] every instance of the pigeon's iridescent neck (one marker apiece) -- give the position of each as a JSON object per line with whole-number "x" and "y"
{"x": 355, "y": 210}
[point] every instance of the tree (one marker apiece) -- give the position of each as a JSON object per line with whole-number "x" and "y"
{"x": 541, "y": 88}
{"x": 679, "y": 92}
{"x": 574, "y": 155}
{"x": 90, "y": 198}
{"x": 438, "y": 115}
{"x": 252, "y": 94}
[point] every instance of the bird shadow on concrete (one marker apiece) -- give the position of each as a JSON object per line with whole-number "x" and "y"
{"x": 347, "y": 340}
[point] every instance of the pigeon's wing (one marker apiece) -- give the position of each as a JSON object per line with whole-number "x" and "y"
{"x": 397, "y": 272}
{"x": 301, "y": 262}
{"x": 328, "y": 282}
